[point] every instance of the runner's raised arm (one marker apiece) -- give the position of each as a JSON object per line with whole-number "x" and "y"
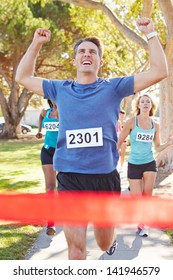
{"x": 26, "y": 68}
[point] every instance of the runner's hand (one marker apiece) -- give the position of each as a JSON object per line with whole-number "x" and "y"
{"x": 145, "y": 25}
{"x": 42, "y": 35}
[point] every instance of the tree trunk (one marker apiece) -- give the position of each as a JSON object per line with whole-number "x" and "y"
{"x": 10, "y": 131}
{"x": 13, "y": 110}
{"x": 165, "y": 158}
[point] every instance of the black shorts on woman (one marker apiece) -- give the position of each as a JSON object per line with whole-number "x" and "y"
{"x": 47, "y": 155}
{"x": 135, "y": 171}
{"x": 68, "y": 181}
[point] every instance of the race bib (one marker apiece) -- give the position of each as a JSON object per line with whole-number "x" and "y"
{"x": 81, "y": 138}
{"x": 144, "y": 137}
{"x": 51, "y": 126}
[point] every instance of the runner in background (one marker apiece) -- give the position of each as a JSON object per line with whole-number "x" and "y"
{"x": 143, "y": 131}
{"x": 48, "y": 120}
{"x": 122, "y": 150}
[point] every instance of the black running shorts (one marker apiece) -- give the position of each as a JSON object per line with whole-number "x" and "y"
{"x": 47, "y": 155}
{"x": 89, "y": 182}
{"x": 135, "y": 171}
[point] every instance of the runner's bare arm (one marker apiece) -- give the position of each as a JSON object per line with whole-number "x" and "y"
{"x": 125, "y": 132}
{"x": 158, "y": 145}
{"x": 26, "y": 67}
{"x": 42, "y": 115}
{"x": 158, "y": 64}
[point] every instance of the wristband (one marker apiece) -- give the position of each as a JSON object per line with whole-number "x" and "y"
{"x": 151, "y": 35}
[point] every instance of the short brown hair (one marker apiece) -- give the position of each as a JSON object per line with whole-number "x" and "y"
{"x": 95, "y": 40}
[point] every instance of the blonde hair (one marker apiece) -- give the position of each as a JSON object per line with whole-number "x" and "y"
{"x": 135, "y": 104}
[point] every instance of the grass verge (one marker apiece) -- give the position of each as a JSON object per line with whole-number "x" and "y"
{"x": 20, "y": 172}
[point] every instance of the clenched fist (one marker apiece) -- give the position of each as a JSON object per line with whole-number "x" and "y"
{"x": 42, "y": 35}
{"x": 145, "y": 25}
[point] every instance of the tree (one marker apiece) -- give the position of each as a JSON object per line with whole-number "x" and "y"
{"x": 66, "y": 24}
{"x": 162, "y": 14}
{"x": 16, "y": 33}
{"x": 121, "y": 14}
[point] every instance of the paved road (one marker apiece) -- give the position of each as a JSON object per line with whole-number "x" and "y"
{"x": 156, "y": 246}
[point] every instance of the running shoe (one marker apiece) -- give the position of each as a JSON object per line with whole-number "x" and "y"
{"x": 142, "y": 231}
{"x": 50, "y": 230}
{"x": 112, "y": 249}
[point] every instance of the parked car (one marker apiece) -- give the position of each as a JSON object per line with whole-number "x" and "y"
{"x": 24, "y": 128}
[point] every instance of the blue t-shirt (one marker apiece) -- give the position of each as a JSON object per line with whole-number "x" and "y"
{"x": 87, "y": 114}
{"x": 141, "y": 141}
{"x": 51, "y": 126}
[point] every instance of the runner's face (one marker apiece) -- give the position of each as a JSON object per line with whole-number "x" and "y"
{"x": 145, "y": 104}
{"x": 87, "y": 58}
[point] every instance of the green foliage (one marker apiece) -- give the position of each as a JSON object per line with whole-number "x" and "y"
{"x": 59, "y": 48}
{"x": 16, "y": 33}
{"x": 42, "y": 2}
{"x": 159, "y": 22}
{"x": 119, "y": 54}
{"x": 170, "y": 234}
{"x": 14, "y": 28}
{"x": 68, "y": 23}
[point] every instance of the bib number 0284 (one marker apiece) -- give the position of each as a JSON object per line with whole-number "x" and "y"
{"x": 88, "y": 137}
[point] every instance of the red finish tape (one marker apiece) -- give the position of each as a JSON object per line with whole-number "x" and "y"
{"x": 101, "y": 209}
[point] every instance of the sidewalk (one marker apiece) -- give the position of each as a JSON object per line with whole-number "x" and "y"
{"x": 156, "y": 246}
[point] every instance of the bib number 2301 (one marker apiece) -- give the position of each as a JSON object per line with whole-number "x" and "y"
{"x": 88, "y": 137}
